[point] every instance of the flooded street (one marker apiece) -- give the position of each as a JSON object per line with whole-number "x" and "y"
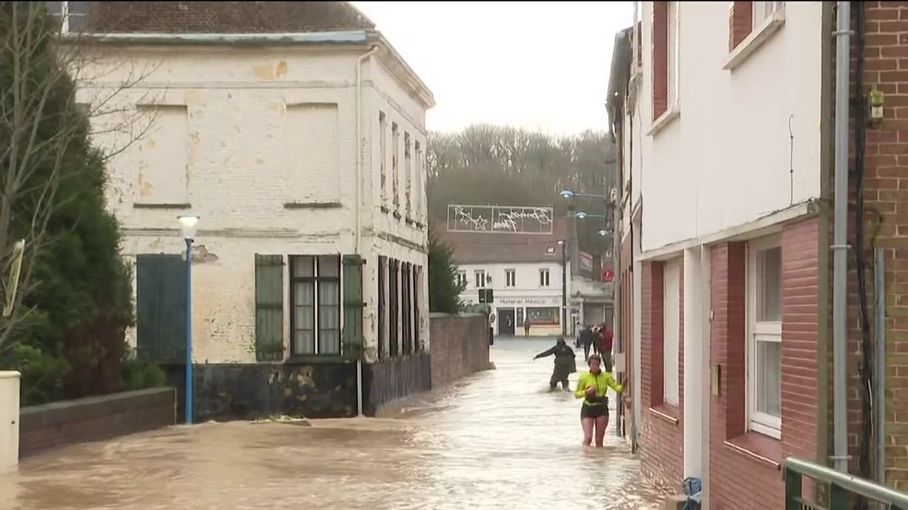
{"x": 496, "y": 440}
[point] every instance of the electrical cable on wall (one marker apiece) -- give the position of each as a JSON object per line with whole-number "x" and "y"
{"x": 791, "y": 168}
{"x": 865, "y": 370}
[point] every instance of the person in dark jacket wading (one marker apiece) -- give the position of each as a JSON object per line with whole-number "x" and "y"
{"x": 564, "y": 363}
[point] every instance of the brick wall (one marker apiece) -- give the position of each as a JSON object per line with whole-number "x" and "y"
{"x": 94, "y": 418}
{"x": 885, "y": 193}
{"x": 394, "y": 378}
{"x": 459, "y": 346}
{"x": 744, "y": 466}
{"x": 661, "y": 435}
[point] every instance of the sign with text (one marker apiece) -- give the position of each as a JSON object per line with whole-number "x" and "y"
{"x": 493, "y": 219}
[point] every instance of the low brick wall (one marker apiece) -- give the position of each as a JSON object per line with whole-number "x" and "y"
{"x": 459, "y": 346}
{"x": 94, "y": 418}
{"x": 395, "y": 378}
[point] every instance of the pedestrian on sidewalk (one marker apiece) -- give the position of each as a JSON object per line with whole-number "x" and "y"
{"x": 585, "y": 340}
{"x": 564, "y": 364}
{"x": 592, "y": 387}
{"x": 526, "y": 327}
{"x": 606, "y": 339}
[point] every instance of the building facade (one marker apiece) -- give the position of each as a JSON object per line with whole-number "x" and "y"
{"x": 524, "y": 272}
{"x": 297, "y": 133}
{"x": 724, "y": 115}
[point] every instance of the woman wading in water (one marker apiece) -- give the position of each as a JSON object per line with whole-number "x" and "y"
{"x": 591, "y": 387}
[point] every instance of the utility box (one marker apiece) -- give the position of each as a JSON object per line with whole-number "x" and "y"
{"x": 9, "y": 421}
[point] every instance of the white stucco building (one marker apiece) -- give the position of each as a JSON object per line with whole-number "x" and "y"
{"x": 297, "y": 133}
{"x": 523, "y": 270}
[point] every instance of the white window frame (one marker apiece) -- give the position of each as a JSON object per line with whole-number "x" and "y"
{"x": 65, "y": 15}
{"x": 510, "y": 277}
{"x": 545, "y": 279}
{"x": 462, "y": 278}
{"x": 383, "y": 156}
{"x": 762, "y": 11}
{"x": 479, "y": 276}
{"x": 671, "y": 330}
{"x": 760, "y": 422}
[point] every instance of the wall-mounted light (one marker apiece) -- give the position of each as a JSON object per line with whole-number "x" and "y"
{"x": 581, "y": 215}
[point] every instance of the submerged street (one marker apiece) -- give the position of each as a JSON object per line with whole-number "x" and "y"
{"x": 496, "y": 440}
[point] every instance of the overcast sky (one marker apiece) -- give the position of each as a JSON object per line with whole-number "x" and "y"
{"x": 543, "y": 66}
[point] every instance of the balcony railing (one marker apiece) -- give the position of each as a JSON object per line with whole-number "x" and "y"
{"x": 842, "y": 490}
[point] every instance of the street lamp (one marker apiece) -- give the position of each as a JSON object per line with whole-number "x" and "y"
{"x": 563, "y": 244}
{"x": 188, "y": 223}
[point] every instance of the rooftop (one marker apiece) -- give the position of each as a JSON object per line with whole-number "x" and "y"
{"x": 491, "y": 248}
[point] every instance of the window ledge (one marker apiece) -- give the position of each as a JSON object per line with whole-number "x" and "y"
{"x": 756, "y": 39}
{"x": 315, "y": 359}
{"x": 756, "y": 446}
{"x": 664, "y": 120}
{"x": 140, "y": 205}
{"x": 665, "y": 413}
{"x": 312, "y": 205}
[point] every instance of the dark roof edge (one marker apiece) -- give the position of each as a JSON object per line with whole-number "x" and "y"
{"x": 335, "y": 38}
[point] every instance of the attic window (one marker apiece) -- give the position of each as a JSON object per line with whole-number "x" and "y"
{"x": 73, "y": 15}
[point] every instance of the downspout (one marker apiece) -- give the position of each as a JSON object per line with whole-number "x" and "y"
{"x": 359, "y": 199}
{"x": 840, "y": 242}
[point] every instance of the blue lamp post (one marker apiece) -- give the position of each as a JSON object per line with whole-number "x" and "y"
{"x": 188, "y": 222}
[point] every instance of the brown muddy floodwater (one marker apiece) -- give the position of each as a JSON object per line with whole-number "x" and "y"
{"x": 496, "y": 440}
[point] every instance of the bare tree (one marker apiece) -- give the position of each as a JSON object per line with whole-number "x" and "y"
{"x": 42, "y": 128}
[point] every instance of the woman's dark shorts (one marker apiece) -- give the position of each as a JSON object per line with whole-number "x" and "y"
{"x": 594, "y": 411}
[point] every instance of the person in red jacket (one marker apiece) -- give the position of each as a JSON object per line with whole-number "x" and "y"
{"x": 606, "y": 339}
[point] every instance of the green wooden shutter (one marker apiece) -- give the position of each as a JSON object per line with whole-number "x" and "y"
{"x": 353, "y": 306}
{"x": 161, "y": 308}
{"x": 269, "y": 307}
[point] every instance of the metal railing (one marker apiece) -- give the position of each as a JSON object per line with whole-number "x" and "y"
{"x": 841, "y": 489}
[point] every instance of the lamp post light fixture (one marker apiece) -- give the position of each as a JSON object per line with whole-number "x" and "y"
{"x": 563, "y": 243}
{"x": 568, "y": 194}
{"x": 188, "y": 223}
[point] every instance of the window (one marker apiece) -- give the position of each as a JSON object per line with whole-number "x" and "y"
{"x": 418, "y": 189}
{"x": 543, "y": 277}
{"x": 761, "y": 11}
{"x": 665, "y": 57}
{"x": 543, "y": 316}
{"x": 383, "y": 156}
{"x": 73, "y": 15}
{"x": 510, "y": 277}
{"x": 315, "y": 300}
{"x": 480, "y": 279}
{"x": 671, "y": 323}
{"x": 408, "y": 175}
{"x": 462, "y": 279}
{"x": 764, "y": 346}
{"x": 395, "y": 173}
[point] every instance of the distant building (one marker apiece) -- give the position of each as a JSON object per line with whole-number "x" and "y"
{"x": 524, "y": 272}
{"x": 297, "y": 133}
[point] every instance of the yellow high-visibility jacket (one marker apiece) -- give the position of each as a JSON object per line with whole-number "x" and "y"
{"x": 601, "y": 382}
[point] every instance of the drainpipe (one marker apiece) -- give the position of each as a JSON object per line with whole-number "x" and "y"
{"x": 359, "y": 199}
{"x": 879, "y": 391}
{"x": 840, "y": 246}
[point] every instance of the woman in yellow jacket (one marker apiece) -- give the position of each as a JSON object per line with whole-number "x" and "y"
{"x": 591, "y": 387}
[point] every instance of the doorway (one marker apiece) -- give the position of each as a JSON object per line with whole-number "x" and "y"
{"x": 506, "y": 321}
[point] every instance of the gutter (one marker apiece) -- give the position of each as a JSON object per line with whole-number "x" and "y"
{"x": 167, "y": 39}
{"x": 359, "y": 198}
